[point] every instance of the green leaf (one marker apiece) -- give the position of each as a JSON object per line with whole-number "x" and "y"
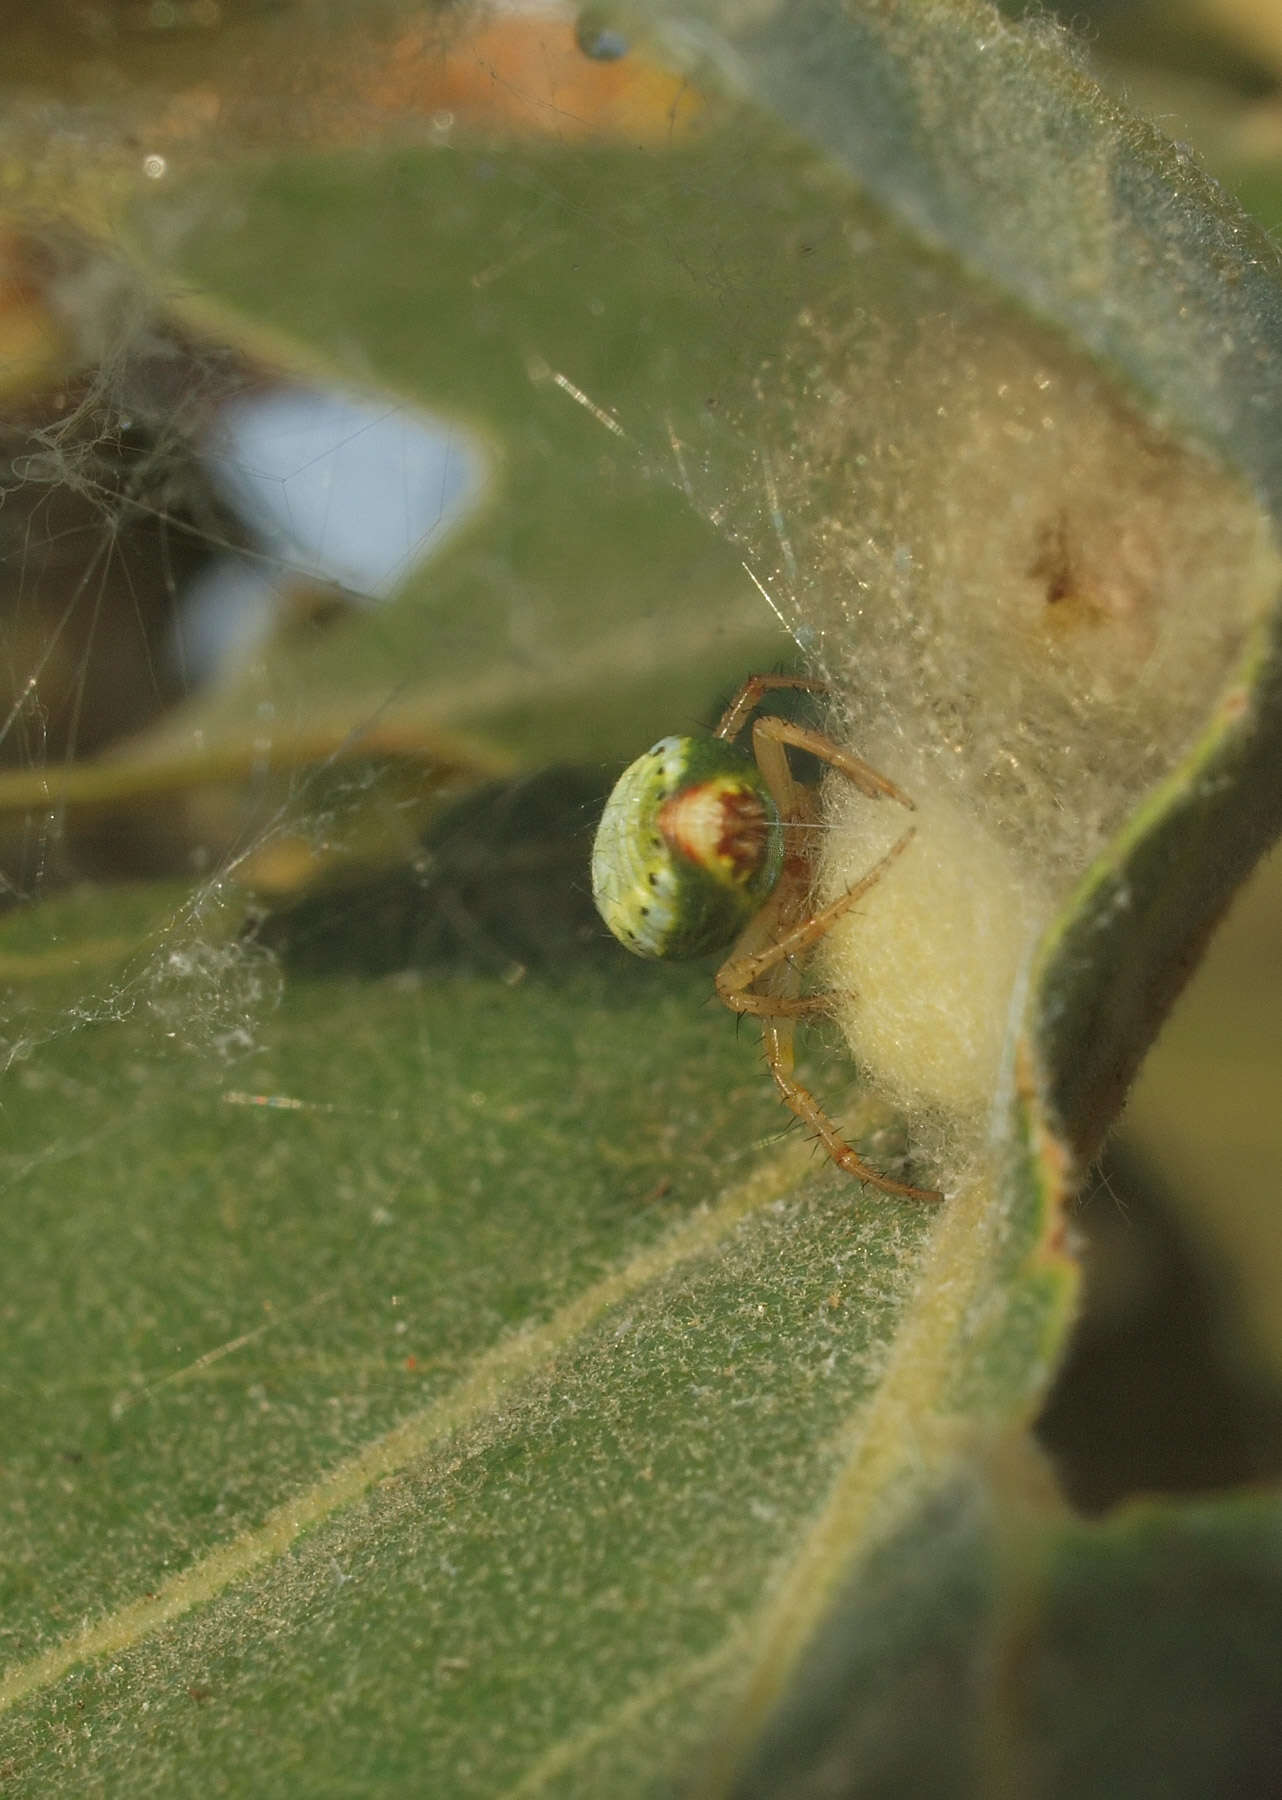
{"x": 926, "y": 347}
{"x": 531, "y": 1318}
{"x": 1048, "y": 1655}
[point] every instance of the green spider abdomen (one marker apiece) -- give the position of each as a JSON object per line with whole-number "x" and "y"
{"x": 688, "y": 847}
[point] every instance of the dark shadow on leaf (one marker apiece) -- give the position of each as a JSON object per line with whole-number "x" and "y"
{"x": 499, "y": 888}
{"x": 1158, "y": 1393}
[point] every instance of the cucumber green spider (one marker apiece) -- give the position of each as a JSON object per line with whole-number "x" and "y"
{"x": 703, "y": 845}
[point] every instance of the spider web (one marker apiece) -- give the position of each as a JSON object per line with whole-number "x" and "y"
{"x": 350, "y": 671}
{"x": 170, "y": 509}
{"x": 187, "y": 522}
{"x": 187, "y": 525}
{"x": 299, "y": 750}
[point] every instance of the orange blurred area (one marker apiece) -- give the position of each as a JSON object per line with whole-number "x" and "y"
{"x": 528, "y": 72}
{"x": 33, "y": 347}
{"x": 287, "y": 79}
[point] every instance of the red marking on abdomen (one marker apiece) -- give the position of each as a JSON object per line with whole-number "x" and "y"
{"x": 711, "y": 822}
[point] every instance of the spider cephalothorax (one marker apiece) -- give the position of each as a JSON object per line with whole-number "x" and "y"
{"x": 704, "y": 845}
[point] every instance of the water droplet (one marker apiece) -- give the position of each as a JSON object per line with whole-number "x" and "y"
{"x": 597, "y": 40}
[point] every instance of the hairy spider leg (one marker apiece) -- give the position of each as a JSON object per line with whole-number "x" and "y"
{"x": 746, "y": 965}
{"x": 754, "y": 690}
{"x": 782, "y": 731}
{"x": 778, "y": 1008}
{"x": 777, "y": 1038}
{"x": 767, "y": 948}
{"x": 867, "y": 779}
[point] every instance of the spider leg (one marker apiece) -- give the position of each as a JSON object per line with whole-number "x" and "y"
{"x": 775, "y": 733}
{"x": 750, "y": 695}
{"x": 799, "y": 1100}
{"x": 784, "y": 928}
{"x": 740, "y": 972}
{"x": 754, "y": 953}
{"x": 777, "y": 1006}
